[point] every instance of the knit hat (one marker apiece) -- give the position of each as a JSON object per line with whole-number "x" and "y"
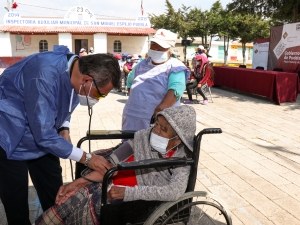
{"x": 183, "y": 121}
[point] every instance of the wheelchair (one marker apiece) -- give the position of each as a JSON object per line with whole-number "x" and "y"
{"x": 194, "y": 207}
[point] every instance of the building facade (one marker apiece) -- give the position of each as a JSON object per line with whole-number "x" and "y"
{"x": 21, "y": 36}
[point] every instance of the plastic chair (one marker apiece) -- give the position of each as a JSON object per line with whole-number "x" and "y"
{"x": 204, "y": 88}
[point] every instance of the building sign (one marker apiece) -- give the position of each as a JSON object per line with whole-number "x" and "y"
{"x": 260, "y": 53}
{"x": 284, "y": 51}
{"x": 79, "y": 13}
{"x": 76, "y": 16}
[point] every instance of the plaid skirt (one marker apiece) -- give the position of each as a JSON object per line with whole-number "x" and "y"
{"x": 82, "y": 208}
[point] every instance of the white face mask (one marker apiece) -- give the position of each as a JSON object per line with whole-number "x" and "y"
{"x": 197, "y": 63}
{"x": 158, "y": 56}
{"x": 86, "y": 100}
{"x": 159, "y": 143}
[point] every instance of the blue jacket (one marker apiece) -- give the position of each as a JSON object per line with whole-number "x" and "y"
{"x": 35, "y": 98}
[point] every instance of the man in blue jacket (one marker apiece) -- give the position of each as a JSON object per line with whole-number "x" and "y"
{"x": 37, "y": 97}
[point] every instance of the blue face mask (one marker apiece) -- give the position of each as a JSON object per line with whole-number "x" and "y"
{"x": 199, "y": 51}
{"x": 128, "y": 60}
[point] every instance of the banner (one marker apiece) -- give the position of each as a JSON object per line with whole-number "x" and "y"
{"x": 260, "y": 53}
{"x": 76, "y": 16}
{"x": 284, "y": 51}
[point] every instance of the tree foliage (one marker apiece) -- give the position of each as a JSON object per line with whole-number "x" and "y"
{"x": 279, "y": 11}
{"x": 231, "y": 24}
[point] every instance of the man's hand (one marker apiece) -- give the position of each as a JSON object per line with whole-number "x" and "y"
{"x": 199, "y": 86}
{"x": 99, "y": 164}
{"x": 66, "y": 191}
{"x": 116, "y": 193}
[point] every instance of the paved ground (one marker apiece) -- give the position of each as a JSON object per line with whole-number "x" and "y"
{"x": 254, "y": 166}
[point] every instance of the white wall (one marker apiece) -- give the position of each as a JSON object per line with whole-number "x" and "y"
{"x": 100, "y": 43}
{"x": 6, "y": 49}
{"x": 33, "y": 46}
{"x": 130, "y": 44}
{"x": 65, "y": 39}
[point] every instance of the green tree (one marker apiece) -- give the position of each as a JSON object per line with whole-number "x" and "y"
{"x": 250, "y": 27}
{"x": 228, "y": 31}
{"x": 184, "y": 21}
{"x": 279, "y": 11}
{"x": 214, "y": 20}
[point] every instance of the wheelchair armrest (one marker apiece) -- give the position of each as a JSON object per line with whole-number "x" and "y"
{"x": 142, "y": 164}
{"x": 152, "y": 163}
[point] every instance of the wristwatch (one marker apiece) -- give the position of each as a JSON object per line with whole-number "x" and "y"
{"x": 88, "y": 157}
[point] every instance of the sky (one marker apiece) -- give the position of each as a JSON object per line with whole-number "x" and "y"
{"x": 102, "y": 8}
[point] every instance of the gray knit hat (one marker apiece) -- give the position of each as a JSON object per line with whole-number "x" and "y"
{"x": 183, "y": 120}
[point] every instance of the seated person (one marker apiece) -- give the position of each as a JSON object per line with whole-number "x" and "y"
{"x": 203, "y": 75}
{"x": 172, "y": 135}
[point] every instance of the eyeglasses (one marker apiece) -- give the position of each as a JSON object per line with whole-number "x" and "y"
{"x": 98, "y": 95}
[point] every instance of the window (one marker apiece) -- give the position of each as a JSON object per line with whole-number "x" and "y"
{"x": 43, "y": 46}
{"x": 117, "y": 46}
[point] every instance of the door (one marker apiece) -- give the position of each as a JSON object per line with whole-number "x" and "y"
{"x": 79, "y": 44}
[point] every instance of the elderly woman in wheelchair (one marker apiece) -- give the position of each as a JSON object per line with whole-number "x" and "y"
{"x": 154, "y": 185}
{"x": 172, "y": 136}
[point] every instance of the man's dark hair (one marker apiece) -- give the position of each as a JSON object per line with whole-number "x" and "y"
{"x": 103, "y": 68}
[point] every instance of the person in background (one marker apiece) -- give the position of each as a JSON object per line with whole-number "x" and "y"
{"x": 124, "y": 57}
{"x": 135, "y": 60}
{"x": 200, "y": 51}
{"x": 203, "y": 75}
{"x": 82, "y": 50}
{"x": 37, "y": 97}
{"x": 156, "y": 83}
{"x": 84, "y": 54}
{"x": 119, "y": 58}
{"x": 140, "y": 58}
{"x": 91, "y": 51}
{"x": 128, "y": 66}
{"x": 122, "y": 62}
{"x": 79, "y": 202}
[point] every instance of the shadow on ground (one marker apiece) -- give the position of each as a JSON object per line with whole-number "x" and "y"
{"x": 35, "y": 208}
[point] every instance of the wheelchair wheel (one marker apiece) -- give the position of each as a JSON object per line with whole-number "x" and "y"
{"x": 192, "y": 208}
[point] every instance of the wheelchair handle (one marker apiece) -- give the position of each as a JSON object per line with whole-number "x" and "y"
{"x": 211, "y": 131}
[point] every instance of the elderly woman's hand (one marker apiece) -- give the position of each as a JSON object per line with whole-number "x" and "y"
{"x": 66, "y": 191}
{"x": 116, "y": 193}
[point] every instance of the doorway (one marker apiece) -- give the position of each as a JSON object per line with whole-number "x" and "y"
{"x": 81, "y": 43}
